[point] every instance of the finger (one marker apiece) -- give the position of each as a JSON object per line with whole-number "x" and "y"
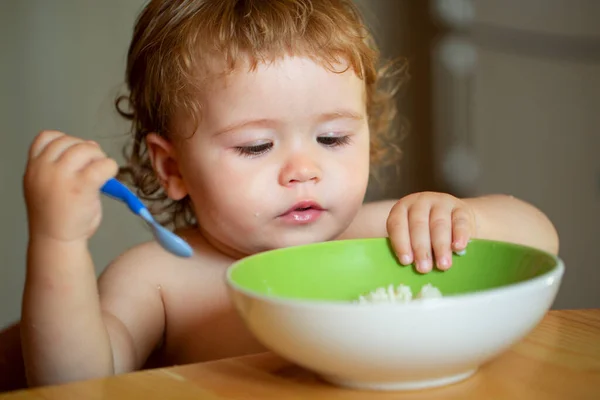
{"x": 397, "y": 227}
{"x": 41, "y": 141}
{"x": 55, "y": 148}
{"x": 79, "y": 155}
{"x": 461, "y": 229}
{"x": 99, "y": 171}
{"x": 440, "y": 225}
{"x": 418, "y": 222}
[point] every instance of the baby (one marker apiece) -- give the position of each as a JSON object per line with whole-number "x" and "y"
{"x": 254, "y": 124}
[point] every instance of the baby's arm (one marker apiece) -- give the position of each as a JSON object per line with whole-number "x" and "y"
{"x": 62, "y": 329}
{"x": 502, "y": 217}
{"x": 64, "y": 332}
{"x": 109, "y": 329}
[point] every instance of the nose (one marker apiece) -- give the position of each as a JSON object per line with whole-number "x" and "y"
{"x": 299, "y": 169}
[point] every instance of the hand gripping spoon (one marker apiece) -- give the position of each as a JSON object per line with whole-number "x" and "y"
{"x": 167, "y": 239}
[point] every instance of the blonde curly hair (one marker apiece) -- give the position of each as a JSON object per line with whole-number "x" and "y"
{"x": 174, "y": 41}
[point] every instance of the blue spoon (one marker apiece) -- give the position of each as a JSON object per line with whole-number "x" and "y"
{"x": 167, "y": 239}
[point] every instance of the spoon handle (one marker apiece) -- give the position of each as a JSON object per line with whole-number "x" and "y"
{"x": 117, "y": 190}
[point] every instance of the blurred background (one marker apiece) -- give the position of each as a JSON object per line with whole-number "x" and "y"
{"x": 503, "y": 98}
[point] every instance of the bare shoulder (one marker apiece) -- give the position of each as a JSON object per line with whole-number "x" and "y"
{"x": 149, "y": 263}
{"x": 143, "y": 263}
{"x": 370, "y": 221}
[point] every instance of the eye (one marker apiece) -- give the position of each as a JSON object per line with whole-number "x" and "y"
{"x": 333, "y": 141}
{"x": 254, "y": 151}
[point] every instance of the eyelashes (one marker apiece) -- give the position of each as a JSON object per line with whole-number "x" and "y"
{"x": 263, "y": 148}
{"x": 254, "y": 151}
{"x": 333, "y": 141}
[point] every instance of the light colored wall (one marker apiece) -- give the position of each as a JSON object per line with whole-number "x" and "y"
{"x": 61, "y": 64}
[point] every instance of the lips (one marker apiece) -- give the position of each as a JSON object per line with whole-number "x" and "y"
{"x": 302, "y": 213}
{"x": 303, "y": 206}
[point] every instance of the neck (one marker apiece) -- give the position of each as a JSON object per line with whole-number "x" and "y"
{"x": 228, "y": 251}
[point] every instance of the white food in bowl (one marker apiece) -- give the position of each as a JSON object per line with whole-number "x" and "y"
{"x": 401, "y": 294}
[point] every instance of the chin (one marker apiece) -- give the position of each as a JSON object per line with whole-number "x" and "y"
{"x": 299, "y": 239}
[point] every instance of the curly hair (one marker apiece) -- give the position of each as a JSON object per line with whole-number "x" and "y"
{"x": 175, "y": 41}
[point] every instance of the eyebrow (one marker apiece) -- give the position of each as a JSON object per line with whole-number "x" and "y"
{"x": 340, "y": 114}
{"x": 267, "y": 123}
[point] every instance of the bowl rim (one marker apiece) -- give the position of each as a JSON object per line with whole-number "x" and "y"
{"x": 545, "y": 280}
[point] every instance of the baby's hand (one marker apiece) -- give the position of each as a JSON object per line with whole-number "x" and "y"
{"x": 422, "y": 222}
{"x": 61, "y": 186}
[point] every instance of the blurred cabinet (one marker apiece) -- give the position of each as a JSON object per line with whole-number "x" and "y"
{"x": 516, "y": 93}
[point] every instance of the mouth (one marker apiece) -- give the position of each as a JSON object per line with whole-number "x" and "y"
{"x": 303, "y": 206}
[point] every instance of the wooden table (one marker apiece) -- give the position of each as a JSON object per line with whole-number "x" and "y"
{"x": 560, "y": 359}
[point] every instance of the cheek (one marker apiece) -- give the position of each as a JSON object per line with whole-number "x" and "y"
{"x": 231, "y": 190}
{"x": 356, "y": 162}
{"x": 358, "y": 171}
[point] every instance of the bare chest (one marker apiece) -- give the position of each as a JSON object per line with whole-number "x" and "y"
{"x": 202, "y": 323}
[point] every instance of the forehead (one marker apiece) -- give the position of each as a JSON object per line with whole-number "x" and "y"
{"x": 292, "y": 84}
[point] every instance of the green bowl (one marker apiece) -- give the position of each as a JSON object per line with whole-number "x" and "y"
{"x": 300, "y": 303}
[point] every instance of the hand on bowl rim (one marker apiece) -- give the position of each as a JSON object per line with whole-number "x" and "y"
{"x": 426, "y": 228}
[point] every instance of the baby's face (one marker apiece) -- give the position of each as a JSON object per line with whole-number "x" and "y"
{"x": 280, "y": 158}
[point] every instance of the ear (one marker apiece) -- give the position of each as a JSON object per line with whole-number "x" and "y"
{"x": 164, "y": 162}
